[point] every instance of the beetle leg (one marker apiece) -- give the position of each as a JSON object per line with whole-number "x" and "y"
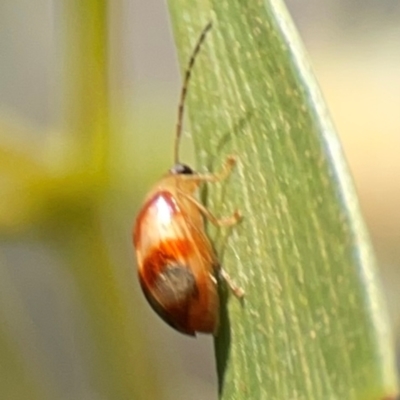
{"x": 236, "y": 290}
{"x": 224, "y": 221}
{"x": 222, "y": 174}
{"x": 217, "y": 176}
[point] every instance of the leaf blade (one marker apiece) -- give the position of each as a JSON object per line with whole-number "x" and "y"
{"x": 313, "y": 325}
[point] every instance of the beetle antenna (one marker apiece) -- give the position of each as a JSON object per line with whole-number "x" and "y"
{"x": 184, "y": 89}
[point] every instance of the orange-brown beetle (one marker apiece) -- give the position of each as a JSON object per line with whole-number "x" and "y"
{"x": 176, "y": 262}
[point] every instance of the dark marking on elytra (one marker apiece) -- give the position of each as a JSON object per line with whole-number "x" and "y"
{"x": 165, "y": 254}
{"x": 175, "y": 285}
{"x": 172, "y": 294}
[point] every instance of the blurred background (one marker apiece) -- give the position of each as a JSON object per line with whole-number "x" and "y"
{"x": 73, "y": 322}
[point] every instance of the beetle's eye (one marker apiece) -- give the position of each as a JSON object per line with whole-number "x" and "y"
{"x": 178, "y": 169}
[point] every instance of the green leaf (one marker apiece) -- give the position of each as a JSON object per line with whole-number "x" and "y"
{"x": 312, "y": 325}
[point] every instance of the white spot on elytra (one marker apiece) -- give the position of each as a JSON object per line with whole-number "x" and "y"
{"x": 163, "y": 211}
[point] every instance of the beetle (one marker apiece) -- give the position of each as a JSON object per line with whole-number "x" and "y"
{"x": 177, "y": 265}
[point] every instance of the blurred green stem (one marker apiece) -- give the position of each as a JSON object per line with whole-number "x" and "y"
{"x": 87, "y": 91}
{"x": 119, "y": 357}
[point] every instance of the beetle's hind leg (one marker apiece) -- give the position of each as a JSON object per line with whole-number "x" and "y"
{"x": 235, "y": 289}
